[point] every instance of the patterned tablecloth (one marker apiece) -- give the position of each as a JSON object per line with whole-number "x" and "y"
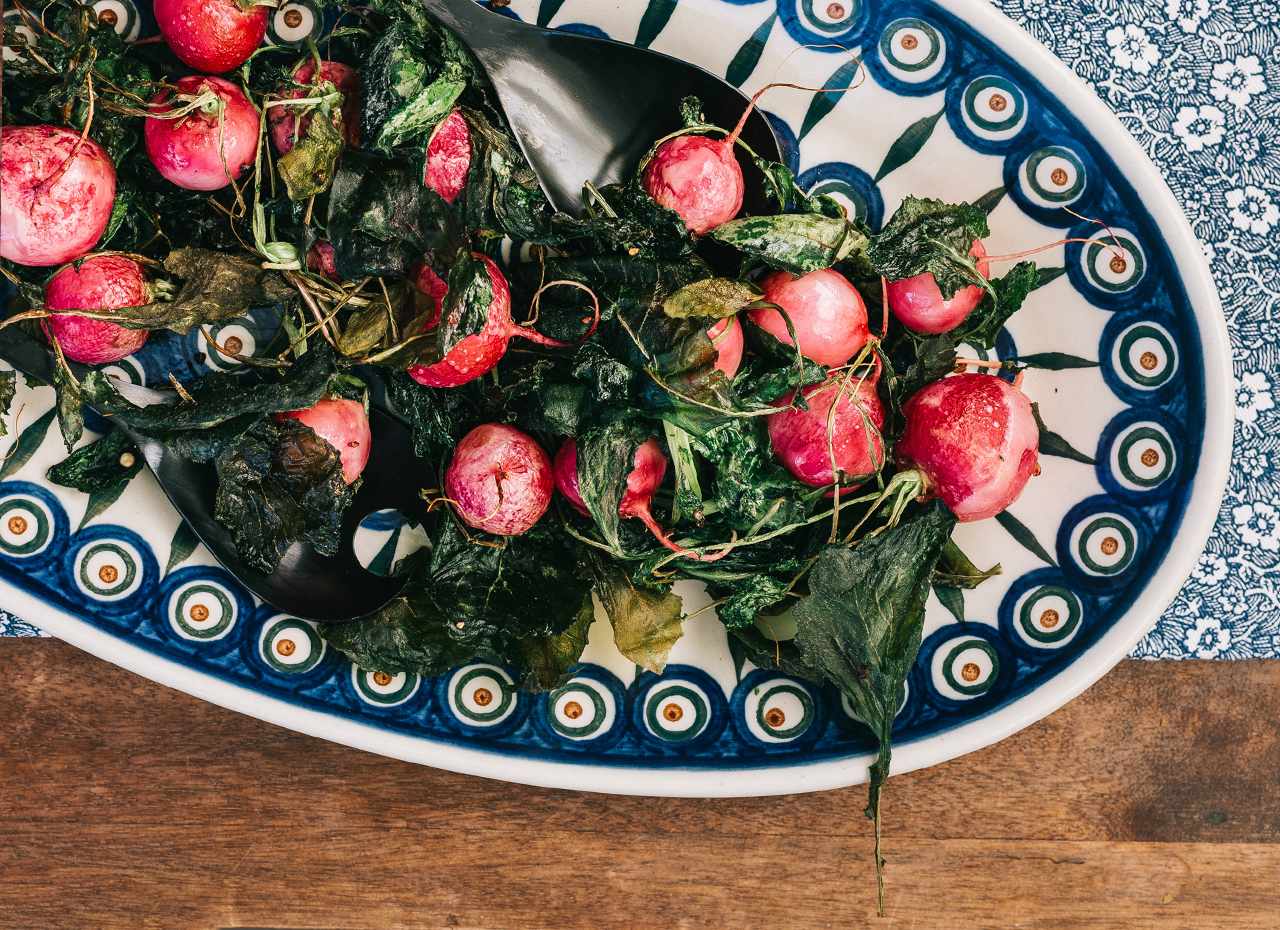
{"x": 1197, "y": 82}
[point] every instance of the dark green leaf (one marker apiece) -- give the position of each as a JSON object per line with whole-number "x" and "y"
{"x": 184, "y": 543}
{"x": 833, "y": 89}
{"x": 1052, "y": 443}
{"x": 646, "y": 624}
{"x": 29, "y": 440}
{"x": 8, "y": 388}
{"x": 990, "y": 200}
{"x": 466, "y": 306}
{"x": 381, "y": 217}
{"x": 952, "y": 599}
{"x": 1001, "y": 302}
{"x": 106, "y": 463}
{"x": 656, "y": 16}
{"x": 796, "y": 242}
{"x": 1023, "y": 535}
{"x": 1055, "y": 361}
{"x": 70, "y": 404}
{"x": 750, "y": 597}
{"x": 548, "y": 658}
{"x": 411, "y": 80}
{"x": 748, "y": 55}
{"x": 606, "y": 456}
{"x": 930, "y": 236}
{"x": 99, "y": 501}
{"x": 711, "y": 298}
{"x": 956, "y": 570}
{"x": 908, "y": 145}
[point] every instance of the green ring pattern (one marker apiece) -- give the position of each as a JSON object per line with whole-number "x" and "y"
{"x": 977, "y": 86}
{"x": 910, "y": 22}
{"x": 700, "y": 712}
{"x": 1128, "y": 540}
{"x": 31, "y": 510}
{"x": 1064, "y": 631}
{"x": 178, "y": 612}
{"x": 91, "y": 586}
{"x": 836, "y": 186}
{"x": 1134, "y": 275}
{"x": 591, "y": 727}
{"x": 1067, "y": 196}
{"x": 806, "y": 718}
{"x": 398, "y": 696}
{"x": 1138, "y": 434}
{"x": 1124, "y": 351}
{"x": 292, "y": 625}
{"x": 487, "y": 716}
{"x": 811, "y": 16}
{"x": 978, "y": 687}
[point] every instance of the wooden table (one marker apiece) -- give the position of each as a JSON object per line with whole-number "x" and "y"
{"x": 1152, "y": 801}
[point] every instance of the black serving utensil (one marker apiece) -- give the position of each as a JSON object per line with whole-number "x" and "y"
{"x": 588, "y": 109}
{"x": 306, "y": 584}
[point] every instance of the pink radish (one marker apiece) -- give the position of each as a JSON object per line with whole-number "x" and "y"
{"x": 973, "y": 440}
{"x": 320, "y": 260}
{"x": 448, "y": 158}
{"x": 499, "y": 480}
{"x": 726, "y": 336}
{"x": 99, "y": 282}
{"x": 289, "y": 124}
{"x": 207, "y": 148}
{"x": 477, "y": 354}
{"x": 56, "y": 194}
{"x": 918, "y": 304}
{"x": 649, "y": 466}
{"x": 699, "y": 178}
{"x": 433, "y": 289}
{"x": 211, "y": 35}
{"x": 343, "y": 424}
{"x": 803, "y": 440}
{"x": 829, "y": 316}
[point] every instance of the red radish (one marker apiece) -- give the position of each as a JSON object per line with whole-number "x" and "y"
{"x": 699, "y": 178}
{"x": 56, "y": 194}
{"x": 320, "y": 260}
{"x": 828, "y": 314}
{"x": 208, "y": 147}
{"x": 477, "y": 354}
{"x": 726, "y": 336}
{"x": 343, "y": 424}
{"x": 973, "y": 439}
{"x": 918, "y": 304}
{"x": 803, "y": 440}
{"x": 99, "y": 282}
{"x": 499, "y": 480}
{"x": 433, "y": 288}
{"x": 648, "y": 467}
{"x": 211, "y": 35}
{"x": 448, "y": 156}
{"x": 289, "y": 124}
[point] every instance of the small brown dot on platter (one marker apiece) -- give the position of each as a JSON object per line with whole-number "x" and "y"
{"x": 483, "y": 697}
{"x": 775, "y": 717}
{"x": 998, "y": 102}
{"x": 1059, "y": 176}
{"x": 1049, "y": 619}
{"x": 235, "y": 344}
{"x": 835, "y": 10}
{"x": 1150, "y": 458}
{"x": 1118, "y": 264}
{"x": 108, "y": 574}
{"x": 970, "y": 672}
{"x": 199, "y": 613}
{"x": 1110, "y": 546}
{"x": 292, "y": 19}
{"x": 672, "y": 712}
{"x": 1148, "y": 360}
{"x": 286, "y": 647}
{"x": 108, "y": 17}
{"x": 381, "y": 679}
{"x": 17, "y": 525}
{"x": 573, "y": 710}
{"x": 909, "y": 42}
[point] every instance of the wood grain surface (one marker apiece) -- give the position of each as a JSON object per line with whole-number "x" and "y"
{"x": 1151, "y": 802}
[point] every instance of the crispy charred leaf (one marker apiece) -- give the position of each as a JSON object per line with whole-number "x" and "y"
{"x": 795, "y": 242}
{"x": 745, "y": 599}
{"x": 8, "y": 388}
{"x": 1001, "y": 302}
{"x": 221, "y": 397}
{"x": 956, "y": 570}
{"x": 646, "y": 624}
{"x": 624, "y": 218}
{"x": 466, "y": 306}
{"x": 860, "y": 626}
{"x": 279, "y": 484}
{"x": 930, "y": 236}
{"x": 104, "y": 464}
{"x": 70, "y": 403}
{"x": 470, "y": 598}
{"x": 548, "y": 658}
{"x": 772, "y": 369}
{"x": 309, "y": 166}
{"x": 711, "y": 298}
{"x": 413, "y": 77}
{"x": 606, "y": 455}
{"x": 364, "y": 330}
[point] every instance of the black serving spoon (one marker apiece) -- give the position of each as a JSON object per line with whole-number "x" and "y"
{"x": 306, "y": 584}
{"x": 588, "y": 109}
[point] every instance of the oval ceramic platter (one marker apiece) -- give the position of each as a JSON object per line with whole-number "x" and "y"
{"x": 954, "y": 102}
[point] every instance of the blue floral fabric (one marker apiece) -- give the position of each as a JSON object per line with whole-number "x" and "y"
{"x": 1197, "y": 83}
